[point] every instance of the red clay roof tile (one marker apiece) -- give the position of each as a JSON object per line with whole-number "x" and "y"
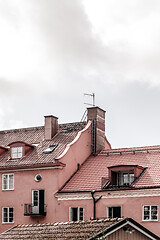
{"x": 35, "y": 135}
{"x": 69, "y": 230}
{"x": 90, "y": 174}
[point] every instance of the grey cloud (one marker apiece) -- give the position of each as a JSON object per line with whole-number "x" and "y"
{"x": 58, "y": 57}
{"x": 133, "y": 115}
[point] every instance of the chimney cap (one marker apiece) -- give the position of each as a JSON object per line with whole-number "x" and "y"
{"x": 94, "y": 107}
{"x": 50, "y": 116}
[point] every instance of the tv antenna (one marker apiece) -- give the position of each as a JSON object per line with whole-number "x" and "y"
{"x": 93, "y": 98}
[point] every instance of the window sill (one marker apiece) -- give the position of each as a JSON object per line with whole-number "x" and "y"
{"x": 149, "y": 220}
{"x": 7, "y": 222}
{"x": 3, "y": 190}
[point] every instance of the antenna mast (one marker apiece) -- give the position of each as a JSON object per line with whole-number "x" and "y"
{"x": 93, "y": 105}
{"x": 93, "y": 98}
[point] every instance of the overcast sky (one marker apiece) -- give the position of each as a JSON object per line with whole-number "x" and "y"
{"x": 54, "y": 51}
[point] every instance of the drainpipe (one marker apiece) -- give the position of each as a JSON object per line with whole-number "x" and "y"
{"x": 94, "y": 203}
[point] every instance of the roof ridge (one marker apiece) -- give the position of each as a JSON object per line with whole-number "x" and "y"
{"x": 70, "y": 222}
{"x": 37, "y": 127}
{"x": 131, "y": 148}
{"x": 21, "y": 129}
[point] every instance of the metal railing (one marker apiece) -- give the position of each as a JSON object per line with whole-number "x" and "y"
{"x": 30, "y": 209}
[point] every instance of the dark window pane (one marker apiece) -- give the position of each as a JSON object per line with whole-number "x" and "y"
{"x": 154, "y": 212}
{"x": 74, "y": 214}
{"x": 5, "y": 214}
{"x": 114, "y": 178}
{"x": 110, "y": 210}
{"x": 116, "y": 212}
{"x": 10, "y": 214}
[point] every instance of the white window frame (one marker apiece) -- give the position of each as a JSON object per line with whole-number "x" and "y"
{"x": 150, "y": 218}
{"x": 8, "y": 211}
{"x": 107, "y": 210}
{"x": 8, "y": 179}
{"x": 78, "y": 215}
{"x": 18, "y": 153}
{"x": 121, "y": 178}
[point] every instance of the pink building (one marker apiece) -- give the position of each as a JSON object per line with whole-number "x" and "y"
{"x": 106, "y": 229}
{"x": 68, "y": 172}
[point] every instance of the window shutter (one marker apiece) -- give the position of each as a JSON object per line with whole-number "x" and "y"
{"x": 41, "y": 201}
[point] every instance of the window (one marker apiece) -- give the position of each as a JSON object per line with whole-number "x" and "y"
{"x": 38, "y": 201}
{"x": 128, "y": 178}
{"x": 8, "y": 215}
{"x": 150, "y": 213}
{"x": 113, "y": 212}
{"x": 122, "y": 178}
{"x": 8, "y": 181}
{"x": 38, "y": 177}
{"x": 76, "y": 214}
{"x": 37, "y": 207}
{"x": 16, "y": 152}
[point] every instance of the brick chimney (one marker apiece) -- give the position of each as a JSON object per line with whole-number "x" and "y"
{"x": 97, "y": 116}
{"x": 51, "y": 127}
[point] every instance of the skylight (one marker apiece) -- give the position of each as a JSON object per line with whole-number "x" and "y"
{"x": 50, "y": 149}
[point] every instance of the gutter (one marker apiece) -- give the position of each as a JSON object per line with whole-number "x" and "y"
{"x": 32, "y": 166}
{"x": 94, "y": 203}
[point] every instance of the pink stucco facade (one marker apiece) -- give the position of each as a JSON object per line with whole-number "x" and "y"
{"x": 79, "y": 174}
{"x": 53, "y": 179}
{"x": 131, "y": 205}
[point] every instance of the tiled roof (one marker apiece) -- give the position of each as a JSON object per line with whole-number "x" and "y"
{"x": 95, "y": 168}
{"x": 28, "y": 135}
{"x": 59, "y": 231}
{"x": 66, "y": 134}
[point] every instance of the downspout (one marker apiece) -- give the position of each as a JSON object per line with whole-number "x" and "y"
{"x": 94, "y": 203}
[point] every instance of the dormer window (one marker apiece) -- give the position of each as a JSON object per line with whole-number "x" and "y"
{"x": 124, "y": 175}
{"x": 122, "y": 178}
{"x": 128, "y": 178}
{"x": 16, "y": 152}
{"x": 19, "y": 149}
{"x": 125, "y": 178}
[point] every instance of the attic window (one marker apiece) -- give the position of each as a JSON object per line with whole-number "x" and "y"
{"x": 121, "y": 178}
{"x": 124, "y": 175}
{"x": 50, "y": 149}
{"x": 16, "y": 152}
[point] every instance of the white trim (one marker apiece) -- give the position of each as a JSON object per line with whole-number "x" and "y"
{"x": 30, "y": 169}
{"x": 110, "y": 194}
{"x": 75, "y": 140}
{"x": 7, "y": 216}
{"x": 78, "y": 213}
{"x": 140, "y": 230}
{"x": 35, "y": 209}
{"x": 149, "y": 220}
{"x": 8, "y": 189}
{"x": 35, "y": 178}
{"x": 18, "y": 153}
{"x": 107, "y": 234}
{"x": 113, "y": 206}
{"x": 132, "y": 225}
